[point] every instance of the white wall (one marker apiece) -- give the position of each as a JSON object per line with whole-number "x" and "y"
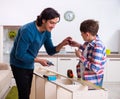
{"x": 1, "y": 44}
{"x": 107, "y": 12}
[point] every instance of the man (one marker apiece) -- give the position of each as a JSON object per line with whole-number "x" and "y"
{"x": 29, "y": 40}
{"x": 92, "y": 53}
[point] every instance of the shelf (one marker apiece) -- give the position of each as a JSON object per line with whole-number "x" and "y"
{"x": 63, "y": 87}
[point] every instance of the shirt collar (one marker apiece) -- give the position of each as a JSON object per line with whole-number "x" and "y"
{"x": 93, "y": 42}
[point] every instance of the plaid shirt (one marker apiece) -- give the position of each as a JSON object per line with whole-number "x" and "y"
{"x": 93, "y": 60}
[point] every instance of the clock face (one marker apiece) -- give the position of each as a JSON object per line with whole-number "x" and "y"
{"x": 69, "y": 16}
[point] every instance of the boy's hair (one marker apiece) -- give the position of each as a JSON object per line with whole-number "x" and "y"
{"x": 90, "y": 26}
{"x": 47, "y": 14}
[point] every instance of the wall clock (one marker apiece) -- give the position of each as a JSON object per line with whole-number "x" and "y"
{"x": 69, "y": 16}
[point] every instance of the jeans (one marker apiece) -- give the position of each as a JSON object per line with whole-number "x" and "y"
{"x": 23, "y": 78}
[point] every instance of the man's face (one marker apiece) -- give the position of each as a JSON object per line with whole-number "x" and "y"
{"x": 50, "y": 24}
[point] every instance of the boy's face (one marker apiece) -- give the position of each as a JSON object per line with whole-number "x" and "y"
{"x": 50, "y": 24}
{"x": 84, "y": 36}
{"x": 87, "y": 36}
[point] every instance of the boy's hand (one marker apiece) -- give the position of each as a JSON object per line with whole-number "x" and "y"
{"x": 78, "y": 53}
{"x": 74, "y": 43}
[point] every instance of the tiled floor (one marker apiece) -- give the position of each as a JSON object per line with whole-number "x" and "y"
{"x": 113, "y": 90}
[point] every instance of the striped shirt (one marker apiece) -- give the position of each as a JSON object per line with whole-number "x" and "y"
{"x": 93, "y": 59}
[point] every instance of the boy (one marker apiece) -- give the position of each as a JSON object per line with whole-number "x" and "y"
{"x": 92, "y": 53}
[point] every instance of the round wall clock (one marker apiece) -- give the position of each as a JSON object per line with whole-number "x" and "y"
{"x": 69, "y": 16}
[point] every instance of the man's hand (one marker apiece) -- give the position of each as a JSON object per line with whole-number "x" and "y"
{"x": 66, "y": 41}
{"x": 43, "y": 62}
{"x": 63, "y": 43}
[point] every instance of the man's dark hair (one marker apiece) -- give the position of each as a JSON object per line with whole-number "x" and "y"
{"x": 47, "y": 14}
{"x": 90, "y": 26}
